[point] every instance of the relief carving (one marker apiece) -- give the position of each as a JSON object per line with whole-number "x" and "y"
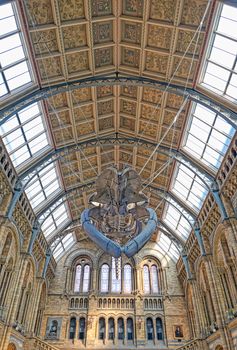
{"x": 193, "y": 11}
{"x": 159, "y": 37}
{"x": 127, "y": 123}
{"x": 130, "y": 57}
{"x": 157, "y": 63}
{"x": 101, "y": 7}
{"x": 39, "y": 12}
{"x": 163, "y": 10}
{"x": 150, "y": 113}
{"x": 184, "y": 39}
{"x": 84, "y": 129}
{"x": 83, "y": 113}
{"x": 147, "y": 129}
{"x": 105, "y": 107}
{"x": 103, "y": 57}
{"x": 71, "y": 9}
{"x": 74, "y": 36}
{"x": 45, "y": 41}
{"x": 77, "y": 62}
{"x": 81, "y": 95}
{"x": 102, "y": 32}
{"x": 128, "y": 107}
{"x": 106, "y": 123}
{"x": 133, "y": 8}
{"x": 131, "y": 32}
{"x": 50, "y": 67}
{"x": 103, "y": 91}
{"x": 152, "y": 95}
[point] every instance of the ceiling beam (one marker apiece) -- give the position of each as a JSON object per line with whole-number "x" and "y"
{"x": 49, "y": 91}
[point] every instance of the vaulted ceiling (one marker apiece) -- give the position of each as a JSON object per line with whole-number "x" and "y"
{"x": 74, "y": 39}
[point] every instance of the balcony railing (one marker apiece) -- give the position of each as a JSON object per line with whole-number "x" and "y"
{"x": 78, "y": 303}
{"x": 116, "y": 303}
{"x": 155, "y": 303}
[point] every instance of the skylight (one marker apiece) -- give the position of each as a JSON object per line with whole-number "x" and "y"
{"x": 220, "y": 74}
{"x": 14, "y": 65}
{"x": 188, "y": 186}
{"x": 177, "y": 222}
{"x": 43, "y": 186}
{"x": 24, "y": 134}
{"x": 55, "y": 221}
{"x": 168, "y": 247}
{"x": 208, "y": 136}
{"x": 63, "y": 246}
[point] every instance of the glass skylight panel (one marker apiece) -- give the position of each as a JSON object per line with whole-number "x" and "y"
{"x": 43, "y": 186}
{"x": 220, "y": 73}
{"x": 208, "y": 136}
{"x": 66, "y": 243}
{"x": 24, "y": 134}
{"x": 177, "y": 222}
{"x": 14, "y": 65}
{"x": 55, "y": 221}
{"x": 188, "y": 186}
{"x": 168, "y": 247}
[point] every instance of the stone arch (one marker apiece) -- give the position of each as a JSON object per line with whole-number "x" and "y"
{"x": 155, "y": 254}
{"x": 72, "y": 256}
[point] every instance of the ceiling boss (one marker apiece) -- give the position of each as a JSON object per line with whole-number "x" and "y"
{"x": 118, "y": 219}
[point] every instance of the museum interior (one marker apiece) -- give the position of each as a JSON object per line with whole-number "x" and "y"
{"x": 118, "y": 174}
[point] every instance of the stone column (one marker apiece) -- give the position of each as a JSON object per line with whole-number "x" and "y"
{"x": 34, "y": 305}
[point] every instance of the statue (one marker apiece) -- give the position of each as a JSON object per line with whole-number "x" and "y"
{"x": 118, "y": 220}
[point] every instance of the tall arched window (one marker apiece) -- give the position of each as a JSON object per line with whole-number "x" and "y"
{"x": 82, "y": 278}
{"x": 154, "y": 279}
{"x": 101, "y": 328}
{"x": 120, "y": 329}
{"x": 146, "y": 280}
{"x": 149, "y": 329}
{"x": 130, "y": 328}
{"x": 111, "y": 328}
{"x": 104, "y": 278}
{"x": 72, "y": 328}
{"x": 86, "y": 279}
{"x": 159, "y": 329}
{"x": 116, "y": 276}
{"x": 127, "y": 282}
{"x": 77, "y": 279}
{"x": 82, "y": 326}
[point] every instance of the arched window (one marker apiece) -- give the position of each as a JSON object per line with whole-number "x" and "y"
{"x": 104, "y": 278}
{"x": 120, "y": 329}
{"x": 86, "y": 279}
{"x": 82, "y": 326}
{"x": 159, "y": 329}
{"x": 130, "y": 328}
{"x": 101, "y": 328}
{"x": 127, "y": 282}
{"x": 116, "y": 276}
{"x": 111, "y": 328}
{"x": 77, "y": 279}
{"x": 72, "y": 329}
{"x": 149, "y": 328}
{"x": 154, "y": 279}
{"x": 82, "y": 278}
{"x": 146, "y": 279}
